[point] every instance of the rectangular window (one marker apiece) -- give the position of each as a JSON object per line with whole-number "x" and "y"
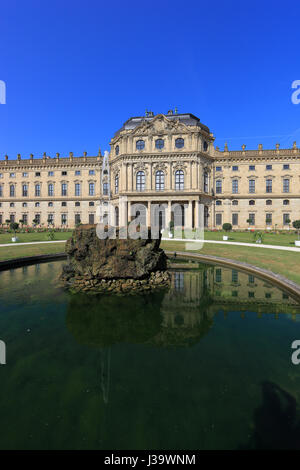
{"x": 91, "y": 172}
{"x": 25, "y": 190}
{"x": 269, "y": 167}
{"x": 218, "y": 219}
{"x": 235, "y": 186}
{"x": 218, "y": 187}
{"x": 37, "y": 173}
{"x": 63, "y": 219}
{"x": 12, "y": 191}
{"x": 251, "y": 279}
{"x": 50, "y": 173}
{"x": 234, "y": 276}
{"x": 218, "y": 275}
{"x": 251, "y": 295}
{"x": 286, "y": 185}
{"x": 37, "y": 190}
{"x": 25, "y": 219}
{"x": 77, "y": 189}
{"x": 251, "y": 219}
{"x": 105, "y": 189}
{"x": 37, "y": 218}
{"x": 251, "y": 186}
{"x": 24, "y": 175}
{"x": 268, "y": 186}
{"x": 64, "y": 189}
{"x": 12, "y": 218}
{"x": 286, "y": 166}
{"x": 251, "y": 167}
{"x": 1, "y": 219}
{"x": 268, "y": 219}
{"x": 77, "y": 172}
{"x": 235, "y": 168}
{"x": 218, "y": 168}
{"x": 50, "y": 219}
{"x": 12, "y": 175}
{"x": 91, "y": 219}
{"x": 1, "y": 175}
{"x": 1, "y": 191}
{"x": 235, "y": 219}
{"x": 64, "y": 173}
{"x": 77, "y": 219}
{"x": 286, "y": 219}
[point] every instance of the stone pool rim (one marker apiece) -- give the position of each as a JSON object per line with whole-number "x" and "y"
{"x": 292, "y": 287}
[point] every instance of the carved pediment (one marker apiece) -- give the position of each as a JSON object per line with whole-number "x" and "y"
{"x": 140, "y": 167}
{"x": 161, "y": 125}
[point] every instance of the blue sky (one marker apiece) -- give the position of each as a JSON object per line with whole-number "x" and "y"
{"x": 75, "y": 71}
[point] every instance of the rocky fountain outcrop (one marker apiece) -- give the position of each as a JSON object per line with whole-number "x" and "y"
{"x": 113, "y": 264}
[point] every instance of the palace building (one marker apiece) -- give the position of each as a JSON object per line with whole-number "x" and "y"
{"x": 167, "y": 159}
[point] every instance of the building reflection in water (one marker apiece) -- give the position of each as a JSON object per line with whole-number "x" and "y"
{"x": 178, "y": 317}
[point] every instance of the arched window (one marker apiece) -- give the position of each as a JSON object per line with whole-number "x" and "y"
{"x": 179, "y": 180}
{"x": 140, "y": 181}
{"x": 140, "y": 145}
{"x": 92, "y": 189}
{"x": 286, "y": 202}
{"x": 179, "y": 143}
{"x": 218, "y": 186}
{"x": 205, "y": 182}
{"x": 218, "y": 203}
{"x": 235, "y": 202}
{"x": 50, "y": 189}
{"x": 116, "y": 184}
{"x": 37, "y": 190}
{"x": 269, "y": 202}
{"x": 117, "y": 150}
{"x": 159, "y": 144}
{"x": 252, "y": 202}
{"x": 159, "y": 181}
{"x": 77, "y": 189}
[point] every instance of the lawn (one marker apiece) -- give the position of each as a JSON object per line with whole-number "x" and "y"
{"x": 283, "y": 239}
{"x": 30, "y": 250}
{"x": 280, "y": 262}
{"x": 33, "y": 237}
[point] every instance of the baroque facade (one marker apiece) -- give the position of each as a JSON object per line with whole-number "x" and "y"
{"x": 167, "y": 159}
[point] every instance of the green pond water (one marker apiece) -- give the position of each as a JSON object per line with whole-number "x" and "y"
{"x": 205, "y": 365}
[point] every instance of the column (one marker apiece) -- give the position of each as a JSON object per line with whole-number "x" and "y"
{"x": 149, "y": 214}
{"x": 168, "y": 215}
{"x": 128, "y": 211}
{"x": 189, "y": 215}
{"x": 131, "y": 178}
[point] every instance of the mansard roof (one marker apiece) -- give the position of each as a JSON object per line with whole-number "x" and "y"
{"x": 188, "y": 119}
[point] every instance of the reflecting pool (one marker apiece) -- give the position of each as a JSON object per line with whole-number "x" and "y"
{"x": 205, "y": 365}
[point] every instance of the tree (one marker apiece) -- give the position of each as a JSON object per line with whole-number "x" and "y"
{"x": 296, "y": 225}
{"x": 14, "y": 226}
{"x": 227, "y": 227}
